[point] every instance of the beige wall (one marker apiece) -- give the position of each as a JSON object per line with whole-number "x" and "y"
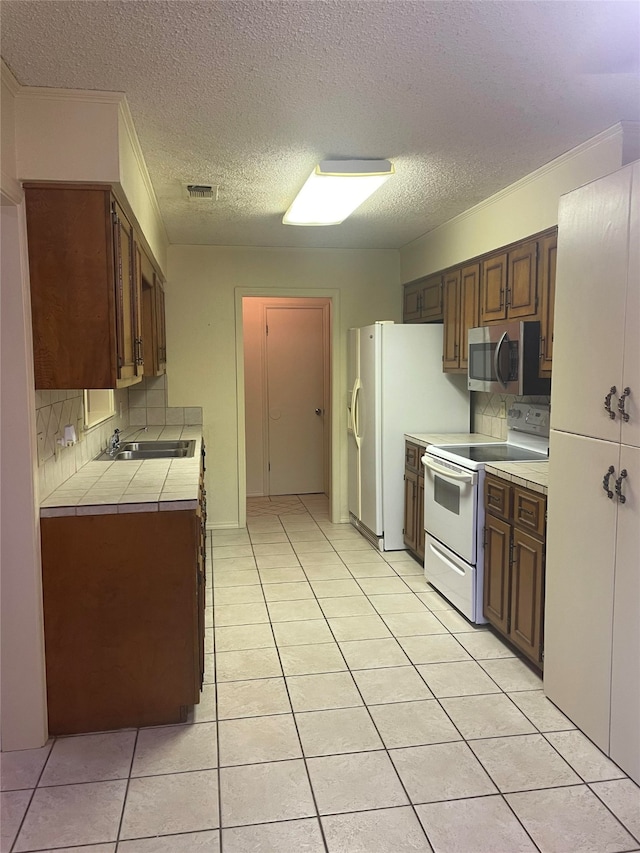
{"x": 205, "y": 286}
{"x": 67, "y": 136}
{"x": 526, "y": 207}
{"x": 23, "y": 714}
{"x": 64, "y": 135}
{"x": 136, "y": 185}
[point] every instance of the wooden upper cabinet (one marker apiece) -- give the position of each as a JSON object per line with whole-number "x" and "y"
{"x": 469, "y": 301}
{"x": 423, "y": 301}
{"x": 547, "y": 290}
{"x": 509, "y": 287}
{"x": 411, "y": 304}
{"x": 154, "y": 336}
{"x": 460, "y": 297}
{"x": 431, "y": 299}
{"x": 85, "y": 288}
{"x": 493, "y": 291}
{"x": 522, "y": 281}
{"x": 452, "y": 308}
{"x": 160, "y": 327}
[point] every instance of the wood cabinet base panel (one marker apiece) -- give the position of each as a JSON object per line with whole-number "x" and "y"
{"x": 120, "y": 616}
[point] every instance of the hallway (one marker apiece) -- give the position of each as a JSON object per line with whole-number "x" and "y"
{"x": 347, "y": 708}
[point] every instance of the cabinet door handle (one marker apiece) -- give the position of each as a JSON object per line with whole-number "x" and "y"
{"x": 618, "y": 487}
{"x": 605, "y": 482}
{"x": 624, "y": 415}
{"x": 541, "y": 349}
{"x": 607, "y": 402}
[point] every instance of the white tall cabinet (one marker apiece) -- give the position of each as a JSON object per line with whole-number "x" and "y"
{"x": 592, "y": 610}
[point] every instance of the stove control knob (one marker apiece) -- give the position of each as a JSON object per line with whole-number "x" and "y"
{"x": 515, "y": 413}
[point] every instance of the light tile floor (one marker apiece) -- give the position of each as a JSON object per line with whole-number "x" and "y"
{"x": 353, "y": 712}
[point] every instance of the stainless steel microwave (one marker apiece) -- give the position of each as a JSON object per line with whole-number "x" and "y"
{"x": 505, "y": 359}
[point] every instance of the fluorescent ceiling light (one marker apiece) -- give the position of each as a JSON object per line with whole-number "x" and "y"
{"x": 335, "y": 189}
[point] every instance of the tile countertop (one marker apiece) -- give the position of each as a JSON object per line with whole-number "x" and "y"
{"x": 531, "y": 475}
{"x": 102, "y": 488}
{"x": 424, "y": 439}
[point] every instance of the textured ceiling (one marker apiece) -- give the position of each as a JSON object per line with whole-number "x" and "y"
{"x": 464, "y": 97}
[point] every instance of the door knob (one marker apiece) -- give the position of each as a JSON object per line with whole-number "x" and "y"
{"x": 318, "y": 411}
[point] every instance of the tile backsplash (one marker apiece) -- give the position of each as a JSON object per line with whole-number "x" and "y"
{"x": 486, "y": 408}
{"x": 148, "y": 405}
{"x": 55, "y": 409}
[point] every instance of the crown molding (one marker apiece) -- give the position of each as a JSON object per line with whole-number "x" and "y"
{"x": 9, "y": 79}
{"x": 10, "y": 189}
{"x": 616, "y": 130}
{"x": 82, "y": 95}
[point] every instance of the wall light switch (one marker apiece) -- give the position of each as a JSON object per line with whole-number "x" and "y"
{"x": 503, "y": 410}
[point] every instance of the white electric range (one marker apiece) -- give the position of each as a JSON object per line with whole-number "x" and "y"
{"x": 454, "y": 506}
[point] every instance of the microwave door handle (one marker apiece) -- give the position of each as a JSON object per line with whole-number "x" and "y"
{"x": 504, "y": 339}
{"x": 447, "y": 472}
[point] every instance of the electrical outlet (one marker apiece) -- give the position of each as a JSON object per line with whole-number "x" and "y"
{"x": 503, "y": 410}
{"x": 40, "y": 439}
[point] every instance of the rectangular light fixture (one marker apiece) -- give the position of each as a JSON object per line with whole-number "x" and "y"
{"x": 335, "y": 189}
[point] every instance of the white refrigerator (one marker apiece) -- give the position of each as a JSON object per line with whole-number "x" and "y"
{"x": 395, "y": 386}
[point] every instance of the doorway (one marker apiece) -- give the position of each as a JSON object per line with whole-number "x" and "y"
{"x": 287, "y": 395}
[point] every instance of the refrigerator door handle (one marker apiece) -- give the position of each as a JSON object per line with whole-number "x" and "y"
{"x": 355, "y": 412}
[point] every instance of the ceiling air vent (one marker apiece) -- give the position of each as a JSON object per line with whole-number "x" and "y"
{"x": 202, "y": 191}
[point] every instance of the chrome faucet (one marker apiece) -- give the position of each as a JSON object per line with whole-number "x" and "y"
{"x": 114, "y": 442}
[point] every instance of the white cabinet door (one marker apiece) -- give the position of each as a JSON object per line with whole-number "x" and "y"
{"x": 631, "y": 374}
{"x": 581, "y": 541}
{"x": 625, "y": 676}
{"x": 591, "y": 286}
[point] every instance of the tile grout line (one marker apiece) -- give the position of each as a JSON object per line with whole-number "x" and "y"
{"x": 373, "y": 723}
{"x": 126, "y": 792}
{"x": 295, "y": 722}
{"x": 215, "y": 690}
{"x": 33, "y": 793}
{"x": 414, "y": 666}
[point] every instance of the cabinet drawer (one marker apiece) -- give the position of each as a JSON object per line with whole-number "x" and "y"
{"x": 497, "y": 497}
{"x": 529, "y": 509}
{"x": 412, "y": 456}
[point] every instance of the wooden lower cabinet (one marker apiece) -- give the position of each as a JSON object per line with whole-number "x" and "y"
{"x": 497, "y": 549}
{"x": 124, "y": 618}
{"x": 514, "y": 553}
{"x": 414, "y": 500}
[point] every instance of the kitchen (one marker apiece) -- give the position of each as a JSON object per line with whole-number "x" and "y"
{"x": 212, "y": 278}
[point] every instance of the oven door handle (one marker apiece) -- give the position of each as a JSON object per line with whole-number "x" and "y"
{"x": 446, "y": 472}
{"x": 504, "y": 339}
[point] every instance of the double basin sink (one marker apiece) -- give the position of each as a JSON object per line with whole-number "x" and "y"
{"x": 140, "y": 450}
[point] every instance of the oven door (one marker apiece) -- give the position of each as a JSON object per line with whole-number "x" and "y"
{"x": 450, "y": 505}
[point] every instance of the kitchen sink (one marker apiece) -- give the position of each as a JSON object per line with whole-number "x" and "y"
{"x": 146, "y": 446}
{"x": 140, "y": 450}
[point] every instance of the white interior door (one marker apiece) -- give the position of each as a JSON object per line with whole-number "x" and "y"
{"x": 295, "y": 400}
